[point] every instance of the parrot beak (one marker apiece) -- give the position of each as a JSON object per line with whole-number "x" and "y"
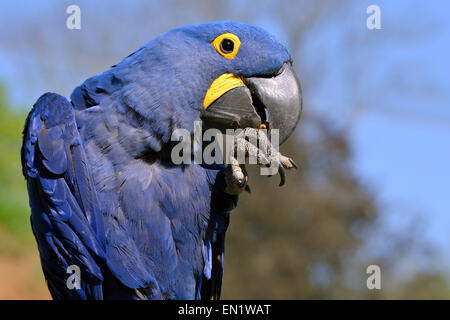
{"x": 257, "y": 102}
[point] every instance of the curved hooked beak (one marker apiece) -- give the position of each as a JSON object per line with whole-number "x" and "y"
{"x": 257, "y": 102}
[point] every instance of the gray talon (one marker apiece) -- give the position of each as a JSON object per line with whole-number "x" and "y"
{"x": 293, "y": 163}
{"x": 282, "y": 175}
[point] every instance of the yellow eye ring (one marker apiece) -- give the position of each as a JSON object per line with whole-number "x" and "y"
{"x": 227, "y": 45}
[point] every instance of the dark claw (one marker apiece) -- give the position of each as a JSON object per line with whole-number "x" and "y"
{"x": 282, "y": 174}
{"x": 247, "y": 188}
{"x": 293, "y": 163}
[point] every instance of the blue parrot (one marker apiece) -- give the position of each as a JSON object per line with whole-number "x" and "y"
{"x": 105, "y": 196}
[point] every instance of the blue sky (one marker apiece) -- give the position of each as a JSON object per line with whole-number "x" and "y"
{"x": 404, "y": 148}
{"x": 401, "y": 143}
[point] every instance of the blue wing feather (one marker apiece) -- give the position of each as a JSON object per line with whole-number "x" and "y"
{"x": 65, "y": 220}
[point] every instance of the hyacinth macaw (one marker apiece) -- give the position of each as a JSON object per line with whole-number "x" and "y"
{"x": 104, "y": 194}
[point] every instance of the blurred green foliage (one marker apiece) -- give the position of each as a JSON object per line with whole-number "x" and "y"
{"x": 14, "y": 209}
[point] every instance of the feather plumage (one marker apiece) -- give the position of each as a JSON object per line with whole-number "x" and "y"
{"x": 104, "y": 193}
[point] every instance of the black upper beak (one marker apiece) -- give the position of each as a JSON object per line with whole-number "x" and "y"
{"x": 270, "y": 102}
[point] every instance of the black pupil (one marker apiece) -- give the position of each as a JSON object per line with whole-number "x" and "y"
{"x": 227, "y": 45}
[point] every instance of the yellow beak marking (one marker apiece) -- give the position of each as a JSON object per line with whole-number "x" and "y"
{"x": 221, "y": 85}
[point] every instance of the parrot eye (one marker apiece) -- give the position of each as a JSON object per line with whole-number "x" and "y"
{"x": 227, "y": 45}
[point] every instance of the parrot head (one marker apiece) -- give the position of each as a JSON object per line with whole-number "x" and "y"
{"x": 253, "y": 83}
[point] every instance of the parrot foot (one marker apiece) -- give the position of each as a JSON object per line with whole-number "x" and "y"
{"x": 266, "y": 155}
{"x": 254, "y": 143}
